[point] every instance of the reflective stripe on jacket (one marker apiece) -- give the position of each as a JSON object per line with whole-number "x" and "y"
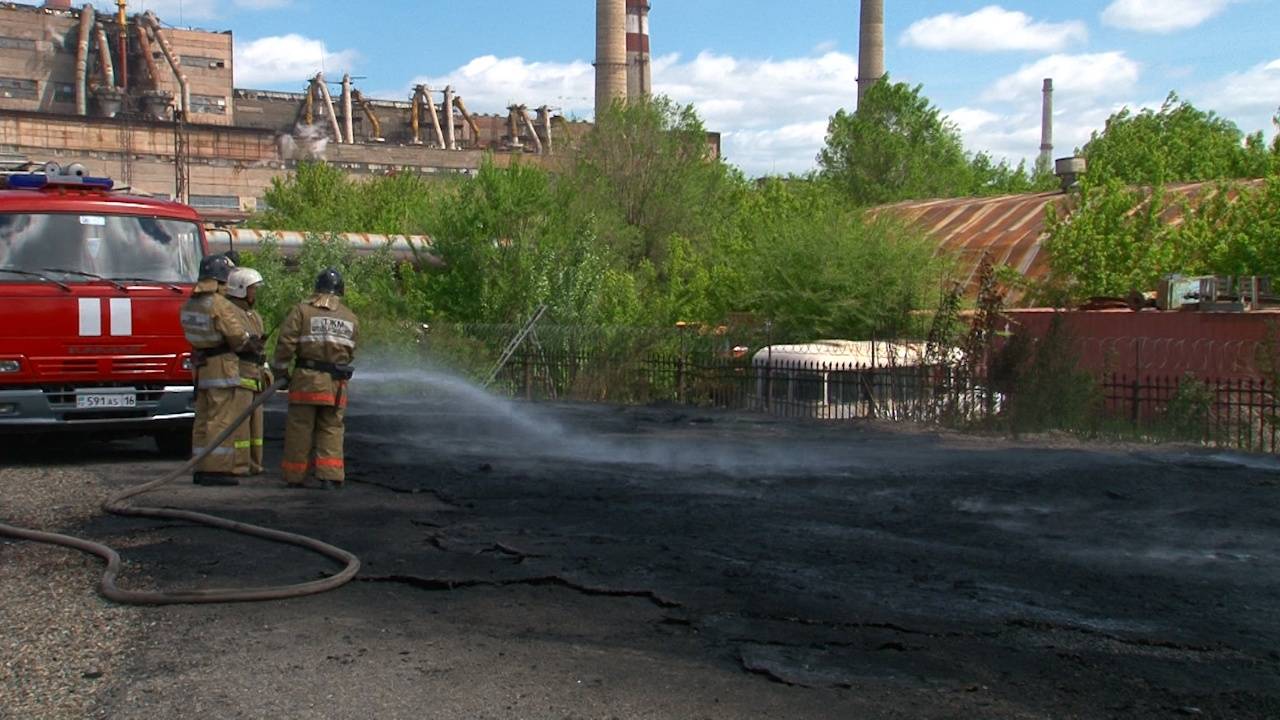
{"x": 323, "y": 330}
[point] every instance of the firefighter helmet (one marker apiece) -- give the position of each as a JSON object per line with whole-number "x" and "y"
{"x": 216, "y": 267}
{"x": 330, "y": 281}
{"x": 241, "y": 280}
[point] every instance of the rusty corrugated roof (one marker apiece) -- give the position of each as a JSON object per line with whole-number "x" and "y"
{"x": 1010, "y": 228}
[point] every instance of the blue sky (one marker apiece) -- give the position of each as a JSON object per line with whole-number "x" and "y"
{"x": 768, "y": 74}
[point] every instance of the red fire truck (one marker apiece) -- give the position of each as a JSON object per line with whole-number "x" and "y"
{"x": 91, "y": 285}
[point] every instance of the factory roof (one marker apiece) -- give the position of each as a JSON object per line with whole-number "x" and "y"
{"x": 1009, "y": 228}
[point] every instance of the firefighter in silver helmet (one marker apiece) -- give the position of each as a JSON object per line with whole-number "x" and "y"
{"x": 319, "y": 339}
{"x": 255, "y": 376}
{"x": 216, "y": 330}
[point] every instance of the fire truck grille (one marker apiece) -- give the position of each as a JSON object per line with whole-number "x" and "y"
{"x": 140, "y": 365}
{"x": 65, "y": 366}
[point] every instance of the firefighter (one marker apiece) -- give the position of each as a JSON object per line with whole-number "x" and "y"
{"x": 216, "y": 330}
{"x": 319, "y": 338}
{"x": 255, "y": 376}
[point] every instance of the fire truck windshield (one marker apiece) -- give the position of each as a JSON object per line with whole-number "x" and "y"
{"x": 86, "y": 247}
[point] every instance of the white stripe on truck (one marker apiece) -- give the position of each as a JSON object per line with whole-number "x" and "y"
{"x": 90, "y": 317}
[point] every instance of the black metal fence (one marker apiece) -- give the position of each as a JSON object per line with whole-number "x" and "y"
{"x": 714, "y": 368}
{"x": 1235, "y": 413}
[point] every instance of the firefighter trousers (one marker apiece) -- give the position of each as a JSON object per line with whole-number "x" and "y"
{"x": 216, "y": 409}
{"x": 251, "y": 463}
{"x": 313, "y": 437}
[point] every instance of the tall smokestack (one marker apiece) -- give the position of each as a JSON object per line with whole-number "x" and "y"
{"x": 1046, "y": 126}
{"x": 611, "y": 53}
{"x": 639, "y": 72}
{"x": 870, "y": 46}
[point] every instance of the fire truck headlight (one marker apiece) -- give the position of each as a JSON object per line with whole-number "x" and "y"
{"x": 8, "y": 367}
{"x": 186, "y": 363}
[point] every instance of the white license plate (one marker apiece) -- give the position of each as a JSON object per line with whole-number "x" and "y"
{"x": 101, "y": 402}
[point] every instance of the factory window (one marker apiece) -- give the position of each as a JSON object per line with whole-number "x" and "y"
{"x": 16, "y": 89}
{"x": 64, "y": 93}
{"x": 209, "y": 104}
{"x": 208, "y": 63}
{"x": 13, "y": 43}
{"x": 218, "y": 202}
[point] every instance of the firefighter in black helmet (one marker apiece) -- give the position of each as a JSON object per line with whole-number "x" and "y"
{"x": 216, "y": 330}
{"x": 318, "y": 338}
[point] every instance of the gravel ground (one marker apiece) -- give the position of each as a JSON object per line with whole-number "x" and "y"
{"x": 61, "y": 644}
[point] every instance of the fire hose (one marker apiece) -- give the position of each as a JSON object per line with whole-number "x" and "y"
{"x": 117, "y": 505}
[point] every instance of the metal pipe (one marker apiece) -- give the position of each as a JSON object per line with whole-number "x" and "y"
{"x": 122, "y": 20}
{"x": 417, "y": 248}
{"x": 870, "y": 46}
{"x": 415, "y": 114}
{"x": 611, "y": 53}
{"x": 348, "y": 122}
{"x": 104, "y": 56}
{"x": 329, "y": 107}
{"x": 175, "y": 63}
{"x": 533, "y": 130}
{"x": 82, "y": 60}
{"x": 471, "y": 122}
{"x": 374, "y": 124}
{"x": 513, "y": 127}
{"x": 544, "y": 118}
{"x": 435, "y": 117}
{"x": 308, "y": 108}
{"x": 452, "y": 143}
{"x": 148, "y": 56}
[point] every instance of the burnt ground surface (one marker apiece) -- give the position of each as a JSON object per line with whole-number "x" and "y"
{"x": 598, "y": 562}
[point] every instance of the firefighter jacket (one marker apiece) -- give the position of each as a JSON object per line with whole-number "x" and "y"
{"x": 319, "y": 336}
{"x": 216, "y": 330}
{"x": 254, "y": 374}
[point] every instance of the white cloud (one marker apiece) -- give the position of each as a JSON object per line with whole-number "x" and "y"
{"x": 772, "y": 114}
{"x": 992, "y": 29}
{"x": 1074, "y": 76}
{"x": 1250, "y": 98}
{"x": 1162, "y": 16}
{"x": 490, "y": 83}
{"x": 287, "y": 58}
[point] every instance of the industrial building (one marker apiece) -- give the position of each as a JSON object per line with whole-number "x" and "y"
{"x": 157, "y": 108}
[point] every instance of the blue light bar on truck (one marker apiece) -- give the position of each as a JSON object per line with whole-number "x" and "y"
{"x": 39, "y": 181}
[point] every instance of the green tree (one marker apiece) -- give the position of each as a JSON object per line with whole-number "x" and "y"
{"x": 899, "y": 146}
{"x": 646, "y": 173}
{"x": 1177, "y": 143}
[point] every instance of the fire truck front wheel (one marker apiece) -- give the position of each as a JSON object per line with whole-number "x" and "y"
{"x": 174, "y": 443}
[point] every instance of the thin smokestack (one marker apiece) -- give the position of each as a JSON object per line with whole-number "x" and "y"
{"x": 639, "y": 66}
{"x": 611, "y": 53}
{"x": 1046, "y": 126}
{"x": 870, "y": 46}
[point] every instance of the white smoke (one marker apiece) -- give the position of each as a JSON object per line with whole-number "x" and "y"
{"x": 307, "y": 142}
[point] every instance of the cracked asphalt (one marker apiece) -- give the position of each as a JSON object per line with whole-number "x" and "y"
{"x": 572, "y": 561}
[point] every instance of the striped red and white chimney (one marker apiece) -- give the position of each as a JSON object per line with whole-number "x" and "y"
{"x": 639, "y": 75}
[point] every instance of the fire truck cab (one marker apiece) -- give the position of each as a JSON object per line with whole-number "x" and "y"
{"x": 91, "y": 286}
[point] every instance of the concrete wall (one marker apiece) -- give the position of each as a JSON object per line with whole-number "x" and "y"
{"x": 39, "y": 46}
{"x": 207, "y": 62}
{"x": 230, "y": 167}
